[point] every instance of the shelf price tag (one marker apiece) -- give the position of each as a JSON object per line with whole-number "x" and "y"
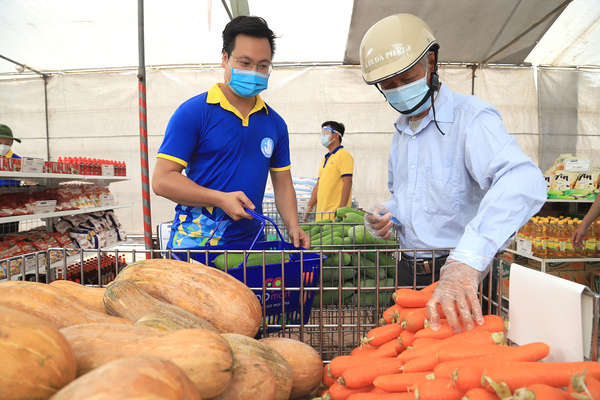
{"x": 108, "y": 170}
{"x": 32, "y": 165}
{"x": 29, "y": 262}
{"x": 45, "y": 207}
{"x": 578, "y": 165}
{"x": 107, "y": 200}
{"x": 524, "y": 246}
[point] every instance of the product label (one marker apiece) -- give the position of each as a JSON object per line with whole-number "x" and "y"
{"x": 32, "y": 165}
{"x": 45, "y": 207}
{"x": 578, "y": 165}
{"x": 108, "y": 170}
{"x": 524, "y": 246}
{"x": 107, "y": 200}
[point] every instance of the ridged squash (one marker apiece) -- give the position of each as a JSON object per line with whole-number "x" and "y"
{"x": 306, "y": 364}
{"x": 59, "y": 308}
{"x": 252, "y": 379}
{"x": 279, "y": 366}
{"x": 136, "y": 377}
{"x": 87, "y": 294}
{"x": 217, "y": 297}
{"x": 125, "y": 299}
{"x": 35, "y": 358}
{"x": 205, "y": 356}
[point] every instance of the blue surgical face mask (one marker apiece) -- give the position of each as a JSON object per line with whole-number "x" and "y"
{"x": 247, "y": 83}
{"x": 404, "y": 98}
{"x": 325, "y": 141}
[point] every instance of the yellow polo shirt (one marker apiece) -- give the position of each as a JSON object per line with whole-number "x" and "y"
{"x": 334, "y": 166}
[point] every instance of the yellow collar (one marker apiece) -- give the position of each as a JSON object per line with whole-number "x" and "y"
{"x": 9, "y": 154}
{"x": 216, "y": 96}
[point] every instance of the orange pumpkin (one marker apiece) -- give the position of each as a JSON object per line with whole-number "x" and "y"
{"x": 125, "y": 299}
{"x": 281, "y": 369}
{"x": 90, "y": 295}
{"x": 137, "y": 377}
{"x": 306, "y": 364}
{"x": 252, "y": 379}
{"x": 204, "y": 355}
{"x": 51, "y": 304}
{"x": 36, "y": 359}
{"x": 217, "y": 297}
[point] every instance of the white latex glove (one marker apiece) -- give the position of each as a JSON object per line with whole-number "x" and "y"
{"x": 458, "y": 295}
{"x": 379, "y": 226}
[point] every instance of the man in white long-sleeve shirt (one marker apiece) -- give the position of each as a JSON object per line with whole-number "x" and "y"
{"x": 458, "y": 180}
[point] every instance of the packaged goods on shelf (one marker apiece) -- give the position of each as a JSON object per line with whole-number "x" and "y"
{"x": 94, "y": 230}
{"x": 68, "y": 197}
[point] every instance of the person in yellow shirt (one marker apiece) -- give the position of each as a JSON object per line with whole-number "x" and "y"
{"x": 334, "y": 187}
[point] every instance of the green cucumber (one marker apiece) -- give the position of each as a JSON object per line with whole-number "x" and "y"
{"x": 235, "y": 259}
{"x": 332, "y": 274}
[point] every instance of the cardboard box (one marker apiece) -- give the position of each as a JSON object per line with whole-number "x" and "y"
{"x": 581, "y": 277}
{"x": 594, "y": 284}
{"x": 592, "y": 266}
{"x": 511, "y": 257}
{"x": 557, "y": 266}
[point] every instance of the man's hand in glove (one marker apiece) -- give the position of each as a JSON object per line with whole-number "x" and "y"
{"x": 457, "y": 293}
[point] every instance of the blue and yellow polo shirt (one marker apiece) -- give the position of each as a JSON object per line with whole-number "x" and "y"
{"x": 335, "y": 165}
{"x": 223, "y": 151}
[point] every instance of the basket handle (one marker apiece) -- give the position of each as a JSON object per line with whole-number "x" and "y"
{"x": 263, "y": 219}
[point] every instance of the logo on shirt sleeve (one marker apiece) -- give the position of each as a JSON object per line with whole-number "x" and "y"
{"x": 266, "y": 146}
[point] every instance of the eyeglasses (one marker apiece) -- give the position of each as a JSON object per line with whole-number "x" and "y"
{"x": 262, "y": 67}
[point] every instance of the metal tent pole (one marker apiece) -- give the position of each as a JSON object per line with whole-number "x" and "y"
{"x": 144, "y": 132}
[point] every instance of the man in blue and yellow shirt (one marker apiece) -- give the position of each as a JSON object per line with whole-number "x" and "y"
{"x": 334, "y": 187}
{"x": 228, "y": 141}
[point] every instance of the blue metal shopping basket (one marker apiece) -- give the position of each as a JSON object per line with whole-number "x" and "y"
{"x": 280, "y": 284}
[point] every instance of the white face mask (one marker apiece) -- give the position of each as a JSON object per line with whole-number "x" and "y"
{"x": 4, "y": 148}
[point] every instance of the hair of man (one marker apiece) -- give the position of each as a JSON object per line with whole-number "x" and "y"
{"x": 247, "y": 25}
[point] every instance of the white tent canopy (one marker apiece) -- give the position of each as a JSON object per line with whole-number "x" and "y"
{"x": 88, "y": 104}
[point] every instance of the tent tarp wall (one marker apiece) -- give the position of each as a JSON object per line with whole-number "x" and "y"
{"x": 569, "y": 112}
{"x": 96, "y": 115}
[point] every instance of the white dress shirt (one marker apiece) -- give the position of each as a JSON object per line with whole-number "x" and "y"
{"x": 470, "y": 189}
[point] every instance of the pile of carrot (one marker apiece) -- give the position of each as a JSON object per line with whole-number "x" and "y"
{"x": 404, "y": 359}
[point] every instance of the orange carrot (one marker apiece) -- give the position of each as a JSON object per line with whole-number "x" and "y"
{"x": 430, "y": 288}
{"x": 341, "y": 363}
{"x": 381, "y": 396}
{"x": 364, "y": 375}
{"x": 422, "y": 342}
{"x": 480, "y": 394}
{"x": 424, "y": 363}
{"x": 583, "y": 385}
{"x": 398, "y": 382}
{"x": 341, "y": 392}
{"x": 438, "y": 389}
{"x": 520, "y": 374}
{"x": 327, "y": 379}
{"x": 381, "y": 334}
{"x": 473, "y": 336}
{"x": 407, "y": 338}
{"x": 414, "y": 319}
{"x": 411, "y": 298}
{"x": 469, "y": 376}
{"x": 377, "y": 390}
{"x": 468, "y": 350}
{"x": 395, "y": 344}
{"x": 363, "y": 350}
{"x": 541, "y": 391}
{"x": 491, "y": 323}
{"x": 392, "y": 314}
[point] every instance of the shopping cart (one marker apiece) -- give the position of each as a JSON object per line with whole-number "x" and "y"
{"x": 280, "y": 286}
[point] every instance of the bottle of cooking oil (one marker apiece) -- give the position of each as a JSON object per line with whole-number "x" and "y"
{"x": 527, "y": 230}
{"x": 552, "y": 244}
{"x": 562, "y": 239}
{"x": 569, "y": 248}
{"x": 591, "y": 241}
{"x": 536, "y": 237}
{"x": 545, "y": 228}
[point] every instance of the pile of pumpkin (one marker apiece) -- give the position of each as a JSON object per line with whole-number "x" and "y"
{"x": 404, "y": 359}
{"x": 163, "y": 329}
